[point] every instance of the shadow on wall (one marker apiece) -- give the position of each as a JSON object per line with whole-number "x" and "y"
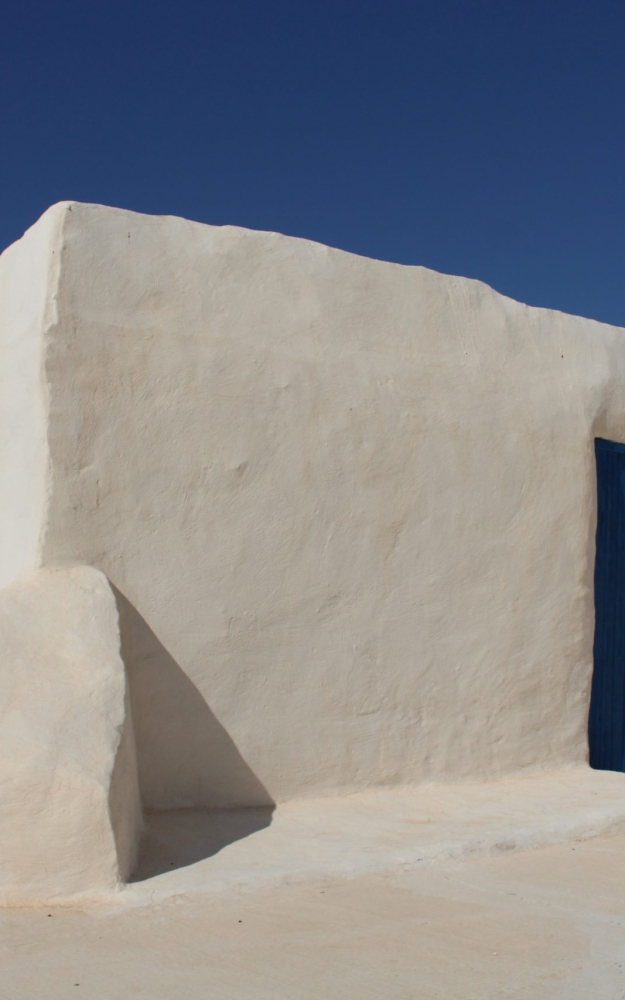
{"x": 186, "y": 759}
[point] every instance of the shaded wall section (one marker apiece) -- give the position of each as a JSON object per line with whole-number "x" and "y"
{"x": 185, "y": 756}
{"x": 28, "y": 282}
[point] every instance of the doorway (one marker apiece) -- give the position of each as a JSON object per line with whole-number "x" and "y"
{"x": 606, "y": 723}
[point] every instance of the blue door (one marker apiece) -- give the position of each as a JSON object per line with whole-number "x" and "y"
{"x": 606, "y": 724}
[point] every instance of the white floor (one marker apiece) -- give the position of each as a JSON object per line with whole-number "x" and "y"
{"x": 389, "y": 896}
{"x": 193, "y": 852}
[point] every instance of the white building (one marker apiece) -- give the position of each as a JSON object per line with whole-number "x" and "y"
{"x": 348, "y": 510}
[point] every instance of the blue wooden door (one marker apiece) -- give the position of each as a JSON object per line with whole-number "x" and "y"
{"x": 606, "y": 724}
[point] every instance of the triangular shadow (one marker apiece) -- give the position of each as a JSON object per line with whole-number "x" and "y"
{"x": 198, "y": 792}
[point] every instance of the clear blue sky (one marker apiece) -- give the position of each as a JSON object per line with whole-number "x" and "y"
{"x": 478, "y": 137}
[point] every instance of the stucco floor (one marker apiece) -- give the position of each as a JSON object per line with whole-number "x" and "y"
{"x": 477, "y": 917}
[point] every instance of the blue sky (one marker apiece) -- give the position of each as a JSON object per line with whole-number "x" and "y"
{"x": 478, "y": 137}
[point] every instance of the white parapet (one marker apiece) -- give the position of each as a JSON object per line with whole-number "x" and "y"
{"x": 70, "y": 813}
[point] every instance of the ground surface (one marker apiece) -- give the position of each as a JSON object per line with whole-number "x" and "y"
{"x": 198, "y": 852}
{"x": 546, "y": 924}
{"x": 422, "y": 894}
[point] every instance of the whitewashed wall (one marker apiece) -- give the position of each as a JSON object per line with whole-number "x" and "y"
{"x": 349, "y": 506}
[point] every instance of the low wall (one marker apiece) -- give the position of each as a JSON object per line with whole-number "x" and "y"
{"x": 70, "y": 812}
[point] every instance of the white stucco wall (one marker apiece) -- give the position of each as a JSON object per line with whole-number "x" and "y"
{"x": 70, "y": 811}
{"x": 349, "y": 507}
{"x": 28, "y": 280}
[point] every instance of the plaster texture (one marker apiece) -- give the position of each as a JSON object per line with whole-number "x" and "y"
{"x": 28, "y": 275}
{"x": 70, "y": 815}
{"x": 348, "y": 506}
